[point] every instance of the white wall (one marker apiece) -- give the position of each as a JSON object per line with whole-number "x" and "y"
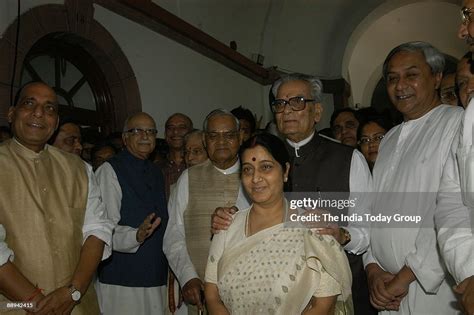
{"x": 295, "y": 35}
{"x": 172, "y": 78}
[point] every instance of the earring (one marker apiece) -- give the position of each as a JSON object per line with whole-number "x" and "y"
{"x": 286, "y": 179}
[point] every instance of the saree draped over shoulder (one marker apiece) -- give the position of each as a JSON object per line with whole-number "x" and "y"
{"x": 277, "y": 270}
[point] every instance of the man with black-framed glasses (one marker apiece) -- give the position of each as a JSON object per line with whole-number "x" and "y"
{"x": 323, "y": 166}
{"x": 134, "y": 280}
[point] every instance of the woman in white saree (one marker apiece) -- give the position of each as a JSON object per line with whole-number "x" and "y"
{"x": 260, "y": 266}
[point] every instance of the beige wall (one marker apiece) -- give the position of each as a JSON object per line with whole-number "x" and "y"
{"x": 389, "y": 25}
{"x": 320, "y": 37}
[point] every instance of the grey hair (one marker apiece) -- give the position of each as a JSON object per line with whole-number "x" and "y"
{"x": 125, "y": 124}
{"x": 191, "y": 133}
{"x": 219, "y": 112}
{"x": 127, "y": 120}
{"x": 315, "y": 84}
{"x": 433, "y": 57}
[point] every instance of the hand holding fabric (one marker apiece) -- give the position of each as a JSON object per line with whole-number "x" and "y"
{"x": 192, "y": 292}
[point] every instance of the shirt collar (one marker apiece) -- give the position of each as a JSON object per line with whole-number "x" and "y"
{"x": 298, "y": 145}
{"x": 231, "y": 170}
{"x": 28, "y": 153}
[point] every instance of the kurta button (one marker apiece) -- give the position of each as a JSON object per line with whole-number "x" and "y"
{"x": 36, "y": 161}
{"x": 45, "y": 189}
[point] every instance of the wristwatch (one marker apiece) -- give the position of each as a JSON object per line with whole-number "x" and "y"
{"x": 347, "y": 236}
{"x": 75, "y": 293}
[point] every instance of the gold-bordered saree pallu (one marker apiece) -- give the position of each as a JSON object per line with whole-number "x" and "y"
{"x": 278, "y": 271}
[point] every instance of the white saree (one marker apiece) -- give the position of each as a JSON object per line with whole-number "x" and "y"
{"x": 277, "y": 270}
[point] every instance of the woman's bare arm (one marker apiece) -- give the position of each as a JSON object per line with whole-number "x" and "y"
{"x": 213, "y": 300}
{"x": 321, "y": 306}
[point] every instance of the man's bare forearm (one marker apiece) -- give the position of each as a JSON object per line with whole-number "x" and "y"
{"x": 13, "y": 284}
{"x": 91, "y": 255}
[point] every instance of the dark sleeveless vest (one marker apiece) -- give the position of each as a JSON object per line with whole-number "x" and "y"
{"x": 324, "y": 165}
{"x": 143, "y": 192}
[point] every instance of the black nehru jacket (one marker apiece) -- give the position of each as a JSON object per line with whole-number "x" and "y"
{"x": 324, "y": 165}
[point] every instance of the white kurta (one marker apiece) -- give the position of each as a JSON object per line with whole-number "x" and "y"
{"x": 174, "y": 244}
{"x": 407, "y": 177}
{"x": 455, "y": 221}
{"x": 5, "y": 252}
{"x": 115, "y": 299}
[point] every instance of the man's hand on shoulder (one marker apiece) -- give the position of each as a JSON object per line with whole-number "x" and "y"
{"x": 221, "y": 219}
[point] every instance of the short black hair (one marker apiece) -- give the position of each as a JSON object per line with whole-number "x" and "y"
{"x": 18, "y": 93}
{"x": 380, "y": 120}
{"x": 62, "y": 122}
{"x": 358, "y": 116}
{"x": 100, "y": 146}
{"x": 245, "y": 114}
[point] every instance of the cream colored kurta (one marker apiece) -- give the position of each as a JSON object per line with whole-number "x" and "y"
{"x": 43, "y": 204}
{"x": 277, "y": 270}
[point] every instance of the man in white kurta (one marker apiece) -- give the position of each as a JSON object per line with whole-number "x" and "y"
{"x": 455, "y": 221}
{"x": 404, "y": 258}
{"x": 6, "y": 253}
{"x": 214, "y": 183}
{"x": 134, "y": 280}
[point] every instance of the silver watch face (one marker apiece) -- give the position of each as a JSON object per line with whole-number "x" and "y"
{"x": 76, "y": 295}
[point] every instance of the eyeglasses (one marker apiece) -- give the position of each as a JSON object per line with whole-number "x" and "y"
{"x": 296, "y": 103}
{"x": 466, "y": 15}
{"x": 448, "y": 95}
{"x": 367, "y": 140}
{"x": 142, "y": 132}
{"x": 227, "y": 135}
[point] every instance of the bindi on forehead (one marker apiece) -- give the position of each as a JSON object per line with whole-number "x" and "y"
{"x": 254, "y": 159}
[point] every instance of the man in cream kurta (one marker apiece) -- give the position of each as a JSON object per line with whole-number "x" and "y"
{"x": 403, "y": 257}
{"x": 55, "y": 221}
{"x": 198, "y": 192}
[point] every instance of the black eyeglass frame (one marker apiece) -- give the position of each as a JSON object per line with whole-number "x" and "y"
{"x": 140, "y": 131}
{"x": 297, "y": 103}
